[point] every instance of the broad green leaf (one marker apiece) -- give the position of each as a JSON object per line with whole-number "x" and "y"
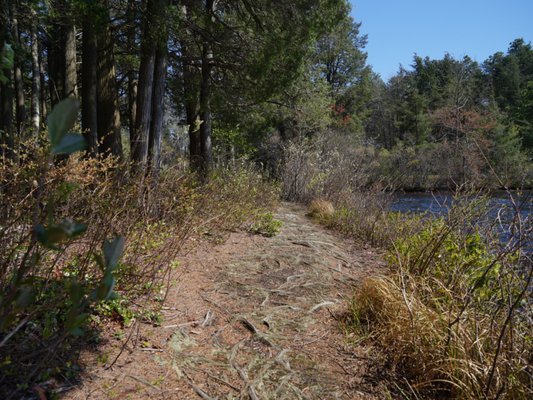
{"x": 39, "y": 231}
{"x": 109, "y": 280}
{"x": 62, "y": 119}
{"x": 55, "y": 234}
{"x": 112, "y": 252}
{"x": 71, "y": 316}
{"x": 76, "y": 332}
{"x": 76, "y": 292}
{"x": 104, "y": 291}
{"x": 80, "y": 320}
{"x": 72, "y": 228}
{"x": 49, "y": 237}
{"x": 113, "y": 296}
{"x": 110, "y": 284}
{"x": 100, "y": 261}
{"x": 70, "y": 143}
{"x": 25, "y": 297}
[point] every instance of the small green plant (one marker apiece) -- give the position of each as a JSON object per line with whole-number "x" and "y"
{"x": 116, "y": 309}
{"x": 153, "y": 317}
{"x": 266, "y": 225}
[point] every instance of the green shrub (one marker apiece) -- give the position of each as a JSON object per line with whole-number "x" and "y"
{"x": 266, "y": 225}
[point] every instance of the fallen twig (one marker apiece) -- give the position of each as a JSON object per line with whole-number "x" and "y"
{"x": 196, "y": 389}
{"x": 144, "y": 382}
{"x": 135, "y": 325}
{"x": 320, "y": 305}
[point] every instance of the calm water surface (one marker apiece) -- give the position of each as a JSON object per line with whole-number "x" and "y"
{"x": 438, "y": 203}
{"x": 499, "y": 206}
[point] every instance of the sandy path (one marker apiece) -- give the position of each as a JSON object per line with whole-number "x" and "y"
{"x": 253, "y": 318}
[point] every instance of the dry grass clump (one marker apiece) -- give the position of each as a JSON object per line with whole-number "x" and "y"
{"x": 320, "y": 209}
{"x": 436, "y": 355}
{"x": 454, "y": 316}
{"x": 411, "y": 332}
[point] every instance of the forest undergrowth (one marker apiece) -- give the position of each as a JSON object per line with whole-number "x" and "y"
{"x": 85, "y": 242}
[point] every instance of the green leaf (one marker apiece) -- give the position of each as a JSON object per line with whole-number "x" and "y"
{"x": 40, "y": 232}
{"x": 25, "y": 297}
{"x": 80, "y": 320}
{"x": 76, "y": 332}
{"x": 62, "y": 119}
{"x": 100, "y": 261}
{"x": 72, "y": 228}
{"x": 113, "y": 296}
{"x": 109, "y": 280}
{"x": 49, "y": 237}
{"x": 104, "y": 291}
{"x": 70, "y": 143}
{"x": 112, "y": 252}
{"x": 76, "y": 292}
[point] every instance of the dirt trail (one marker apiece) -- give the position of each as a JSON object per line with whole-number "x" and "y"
{"x": 253, "y": 318}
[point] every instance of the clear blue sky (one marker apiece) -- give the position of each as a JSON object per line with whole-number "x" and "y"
{"x": 397, "y": 29}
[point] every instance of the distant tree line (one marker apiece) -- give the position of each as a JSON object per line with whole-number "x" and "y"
{"x": 478, "y": 112}
{"x": 437, "y": 124}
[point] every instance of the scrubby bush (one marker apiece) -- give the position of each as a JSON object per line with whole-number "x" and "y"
{"x": 56, "y": 283}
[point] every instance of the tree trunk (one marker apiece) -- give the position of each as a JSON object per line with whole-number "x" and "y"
{"x": 71, "y": 76}
{"x": 45, "y": 94}
{"x": 6, "y": 93}
{"x": 19, "y": 88}
{"x": 132, "y": 104}
{"x": 192, "y": 112}
{"x": 6, "y": 116}
{"x": 158, "y": 108}
{"x": 56, "y": 55}
{"x": 139, "y": 144}
{"x": 191, "y": 83}
{"x": 152, "y": 77}
{"x": 205, "y": 109}
{"x": 108, "y": 112}
{"x": 35, "y": 77}
{"x": 89, "y": 99}
{"x": 132, "y": 73}
{"x": 193, "y": 122}
{"x": 195, "y": 146}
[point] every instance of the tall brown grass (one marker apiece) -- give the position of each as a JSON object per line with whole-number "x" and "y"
{"x": 454, "y": 314}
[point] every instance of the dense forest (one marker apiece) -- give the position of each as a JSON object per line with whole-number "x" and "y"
{"x": 133, "y": 130}
{"x": 223, "y": 80}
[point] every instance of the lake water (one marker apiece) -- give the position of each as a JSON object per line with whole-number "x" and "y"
{"x": 438, "y": 203}
{"x": 499, "y": 206}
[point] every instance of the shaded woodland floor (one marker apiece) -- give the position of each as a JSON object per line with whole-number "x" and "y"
{"x": 254, "y": 317}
